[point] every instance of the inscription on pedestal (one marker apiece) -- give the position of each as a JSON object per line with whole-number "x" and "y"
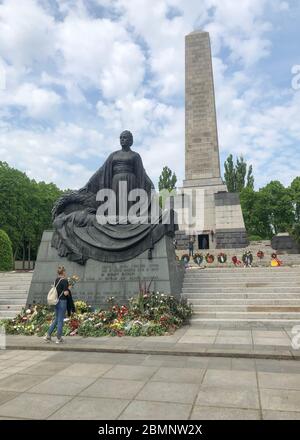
{"x": 126, "y": 272}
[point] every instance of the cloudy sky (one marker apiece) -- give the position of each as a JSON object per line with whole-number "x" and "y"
{"x": 75, "y": 73}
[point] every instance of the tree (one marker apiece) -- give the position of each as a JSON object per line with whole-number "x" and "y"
{"x": 277, "y": 206}
{"x": 229, "y": 174}
{"x": 167, "y": 180}
{"x": 6, "y": 253}
{"x": 25, "y": 209}
{"x": 236, "y": 176}
{"x": 255, "y": 216}
{"x": 295, "y": 195}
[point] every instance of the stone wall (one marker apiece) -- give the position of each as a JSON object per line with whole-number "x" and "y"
{"x": 98, "y": 280}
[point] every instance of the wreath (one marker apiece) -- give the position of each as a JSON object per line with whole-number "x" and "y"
{"x": 185, "y": 258}
{"x": 198, "y": 258}
{"x": 274, "y": 256}
{"x": 260, "y": 255}
{"x": 222, "y": 258}
{"x": 236, "y": 261}
{"x": 209, "y": 258}
{"x": 247, "y": 258}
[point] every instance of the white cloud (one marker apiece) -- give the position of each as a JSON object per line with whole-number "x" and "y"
{"x": 26, "y": 31}
{"x": 85, "y": 77}
{"x": 100, "y": 53}
{"x": 38, "y": 102}
{"x": 57, "y": 155}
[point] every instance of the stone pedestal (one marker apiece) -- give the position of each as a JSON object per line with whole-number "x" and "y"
{"x": 99, "y": 280}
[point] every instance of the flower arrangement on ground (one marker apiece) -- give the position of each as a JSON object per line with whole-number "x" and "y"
{"x": 209, "y": 258}
{"x": 185, "y": 258}
{"x": 147, "y": 314}
{"x": 236, "y": 261}
{"x": 222, "y": 258}
{"x": 260, "y": 255}
{"x": 198, "y": 258}
{"x": 247, "y": 259}
{"x": 275, "y": 262}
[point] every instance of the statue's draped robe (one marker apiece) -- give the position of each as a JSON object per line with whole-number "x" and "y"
{"x": 79, "y": 236}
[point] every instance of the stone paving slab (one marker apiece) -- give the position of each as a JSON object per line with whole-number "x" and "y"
{"x": 189, "y": 341}
{"x": 139, "y": 410}
{"x": 88, "y": 408}
{"x": 33, "y": 406}
{"x": 215, "y": 413}
{"x": 134, "y": 386}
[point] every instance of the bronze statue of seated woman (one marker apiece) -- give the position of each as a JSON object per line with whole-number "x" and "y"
{"x": 79, "y": 235}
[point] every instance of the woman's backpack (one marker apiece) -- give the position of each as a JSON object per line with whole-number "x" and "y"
{"x": 52, "y": 298}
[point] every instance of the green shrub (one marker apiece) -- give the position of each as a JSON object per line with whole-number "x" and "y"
{"x": 6, "y": 253}
{"x": 255, "y": 238}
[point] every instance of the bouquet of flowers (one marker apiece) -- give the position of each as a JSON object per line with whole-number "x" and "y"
{"x": 73, "y": 280}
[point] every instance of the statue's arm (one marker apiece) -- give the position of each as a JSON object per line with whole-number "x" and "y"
{"x": 140, "y": 169}
{"x": 85, "y": 197}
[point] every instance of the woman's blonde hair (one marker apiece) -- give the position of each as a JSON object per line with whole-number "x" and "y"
{"x": 61, "y": 270}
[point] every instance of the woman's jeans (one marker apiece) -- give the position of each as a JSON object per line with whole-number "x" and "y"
{"x": 60, "y": 312}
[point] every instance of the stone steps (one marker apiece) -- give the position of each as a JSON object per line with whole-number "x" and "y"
{"x": 253, "y": 308}
{"x": 257, "y": 289}
{"x": 244, "y": 302}
{"x": 233, "y": 297}
{"x": 14, "y": 287}
{"x": 244, "y": 323}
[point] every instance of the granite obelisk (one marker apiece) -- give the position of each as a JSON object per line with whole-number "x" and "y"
{"x": 222, "y": 224}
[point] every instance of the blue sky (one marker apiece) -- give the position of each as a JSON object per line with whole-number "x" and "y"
{"x": 74, "y": 74}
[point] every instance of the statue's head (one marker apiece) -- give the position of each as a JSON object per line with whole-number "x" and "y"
{"x": 126, "y": 139}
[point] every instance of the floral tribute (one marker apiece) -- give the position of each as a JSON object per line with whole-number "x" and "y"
{"x": 148, "y": 314}
{"x": 185, "y": 258}
{"x": 209, "y": 258}
{"x": 198, "y": 258}
{"x": 275, "y": 262}
{"x": 260, "y": 255}
{"x": 74, "y": 279}
{"x": 247, "y": 258}
{"x": 222, "y": 258}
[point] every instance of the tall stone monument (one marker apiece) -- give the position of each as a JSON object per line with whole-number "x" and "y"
{"x": 222, "y": 223}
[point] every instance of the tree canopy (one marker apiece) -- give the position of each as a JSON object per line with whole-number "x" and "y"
{"x": 238, "y": 176}
{"x": 25, "y": 208}
{"x": 167, "y": 180}
{"x": 6, "y": 254}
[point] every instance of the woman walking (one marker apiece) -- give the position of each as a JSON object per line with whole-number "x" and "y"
{"x": 62, "y": 287}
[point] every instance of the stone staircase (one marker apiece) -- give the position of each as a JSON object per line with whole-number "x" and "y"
{"x": 14, "y": 287}
{"x": 244, "y": 297}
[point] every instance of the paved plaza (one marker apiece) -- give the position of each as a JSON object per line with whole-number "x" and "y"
{"x": 73, "y": 385}
{"x": 189, "y": 340}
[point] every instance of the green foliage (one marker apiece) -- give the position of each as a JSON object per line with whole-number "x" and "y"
{"x": 236, "y": 175}
{"x": 295, "y": 232}
{"x": 277, "y": 205}
{"x": 6, "y": 254}
{"x": 268, "y": 211}
{"x": 254, "y": 238}
{"x": 295, "y": 196}
{"x": 159, "y": 314}
{"x": 25, "y": 208}
{"x": 167, "y": 180}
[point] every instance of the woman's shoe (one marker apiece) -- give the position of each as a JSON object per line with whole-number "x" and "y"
{"x": 59, "y": 341}
{"x": 47, "y": 338}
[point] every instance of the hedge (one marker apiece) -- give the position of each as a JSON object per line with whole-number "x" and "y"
{"x": 6, "y": 253}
